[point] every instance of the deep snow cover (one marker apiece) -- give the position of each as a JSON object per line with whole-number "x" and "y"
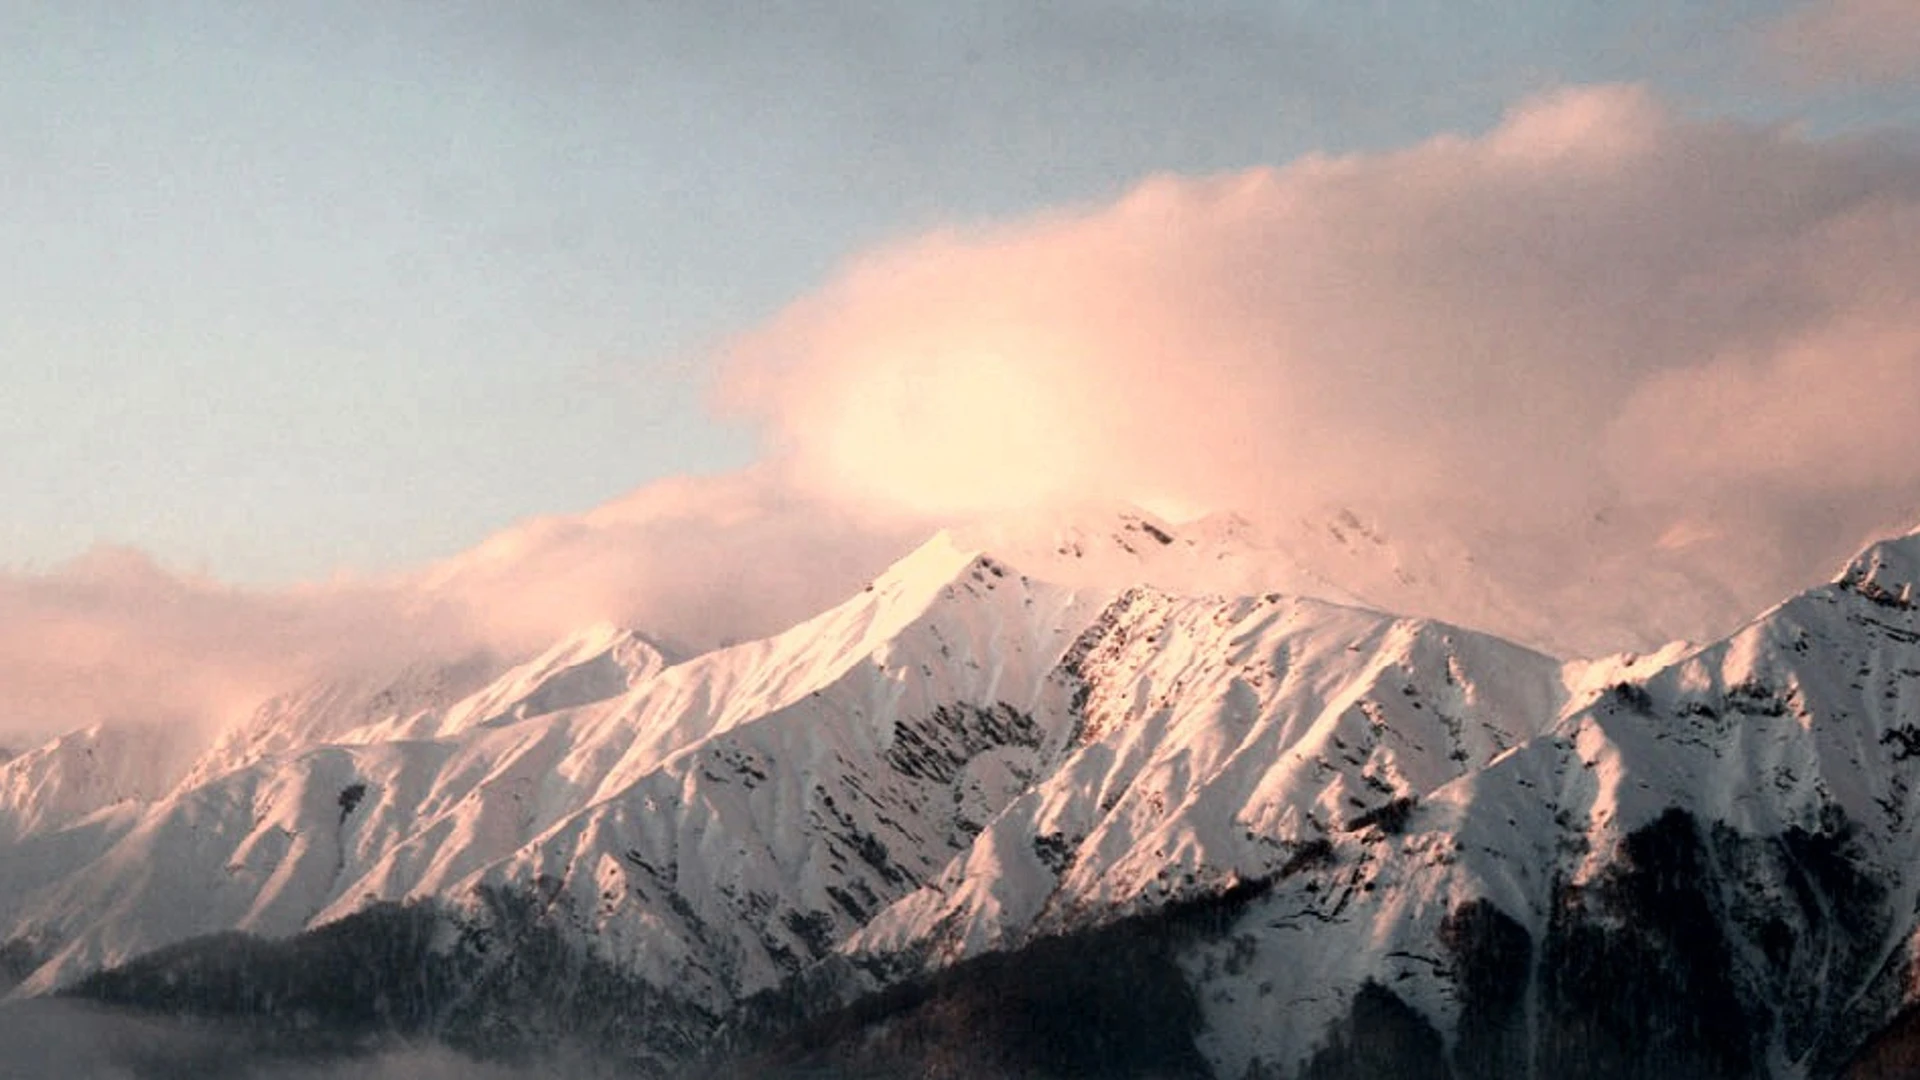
{"x": 1044, "y": 728}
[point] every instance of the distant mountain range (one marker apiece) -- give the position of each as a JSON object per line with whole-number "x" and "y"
{"x": 1078, "y": 797}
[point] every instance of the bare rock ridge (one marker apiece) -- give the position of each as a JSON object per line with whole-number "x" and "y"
{"x": 1208, "y": 831}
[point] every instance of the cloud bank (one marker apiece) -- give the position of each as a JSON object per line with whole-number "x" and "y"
{"x": 115, "y": 638}
{"x": 1596, "y": 302}
{"x": 1859, "y": 41}
{"x": 695, "y": 561}
{"x": 1600, "y": 311}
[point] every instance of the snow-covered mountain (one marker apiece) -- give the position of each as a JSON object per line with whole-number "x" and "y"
{"x": 1411, "y": 838}
{"x": 1620, "y": 579}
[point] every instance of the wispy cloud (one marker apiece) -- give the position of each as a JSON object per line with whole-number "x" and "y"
{"x": 697, "y": 561}
{"x": 114, "y": 637}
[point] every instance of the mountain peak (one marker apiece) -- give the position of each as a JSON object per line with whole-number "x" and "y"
{"x": 1086, "y": 530}
{"x": 1118, "y": 546}
{"x": 941, "y": 558}
{"x": 1886, "y": 571}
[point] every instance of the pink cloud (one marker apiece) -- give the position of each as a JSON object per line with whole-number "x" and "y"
{"x": 114, "y": 638}
{"x": 1829, "y": 410}
{"x": 1850, "y": 41}
{"x": 1520, "y": 319}
{"x": 696, "y": 561}
{"x": 1600, "y": 311}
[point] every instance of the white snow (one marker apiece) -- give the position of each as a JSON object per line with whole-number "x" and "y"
{"x": 980, "y": 747}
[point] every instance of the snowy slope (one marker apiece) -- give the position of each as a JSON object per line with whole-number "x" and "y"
{"x": 274, "y": 831}
{"x": 1213, "y": 739}
{"x": 327, "y": 711}
{"x": 979, "y": 749}
{"x": 1614, "y": 581}
{"x": 1120, "y": 547}
{"x": 83, "y": 772}
{"x": 1794, "y": 736}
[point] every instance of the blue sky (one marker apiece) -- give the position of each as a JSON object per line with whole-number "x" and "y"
{"x": 355, "y": 285}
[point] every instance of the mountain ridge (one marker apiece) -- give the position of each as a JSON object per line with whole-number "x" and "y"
{"x": 963, "y": 759}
